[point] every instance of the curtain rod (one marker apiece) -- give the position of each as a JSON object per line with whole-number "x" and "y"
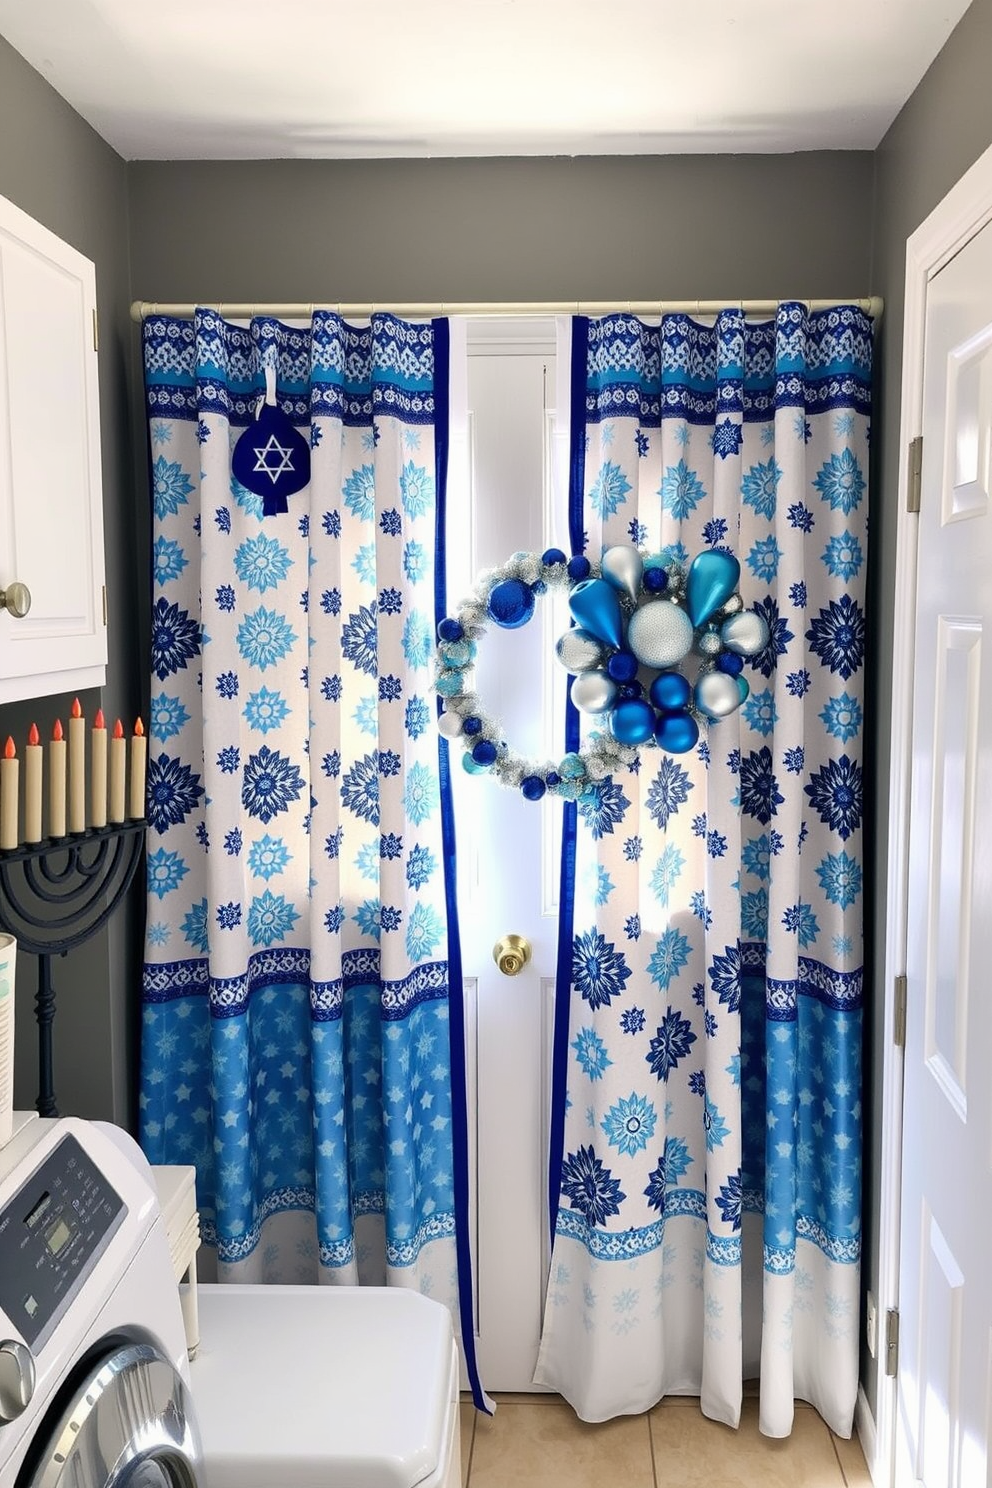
{"x": 142, "y": 309}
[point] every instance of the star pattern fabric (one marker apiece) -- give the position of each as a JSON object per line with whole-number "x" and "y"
{"x": 712, "y": 1136}
{"x": 295, "y": 1042}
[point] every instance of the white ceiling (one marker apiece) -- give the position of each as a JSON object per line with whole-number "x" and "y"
{"x": 240, "y": 79}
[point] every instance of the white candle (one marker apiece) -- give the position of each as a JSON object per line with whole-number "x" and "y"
{"x": 32, "y": 786}
{"x": 118, "y": 755}
{"x": 139, "y": 756}
{"x": 98, "y": 771}
{"x": 10, "y": 769}
{"x": 56, "y": 782}
{"x": 77, "y": 768}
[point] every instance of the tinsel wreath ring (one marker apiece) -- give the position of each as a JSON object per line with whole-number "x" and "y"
{"x": 637, "y": 619}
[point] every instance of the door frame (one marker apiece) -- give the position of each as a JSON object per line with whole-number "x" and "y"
{"x": 962, "y": 213}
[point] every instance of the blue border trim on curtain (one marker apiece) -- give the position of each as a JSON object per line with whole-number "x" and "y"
{"x": 566, "y": 894}
{"x": 456, "y": 1000}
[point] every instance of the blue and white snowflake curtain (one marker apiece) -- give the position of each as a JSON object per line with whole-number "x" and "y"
{"x": 296, "y": 1009}
{"x": 708, "y": 1219}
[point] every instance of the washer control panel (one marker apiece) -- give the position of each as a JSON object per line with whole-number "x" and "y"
{"x": 51, "y": 1233}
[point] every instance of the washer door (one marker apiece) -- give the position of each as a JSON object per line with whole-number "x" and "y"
{"x": 129, "y": 1424}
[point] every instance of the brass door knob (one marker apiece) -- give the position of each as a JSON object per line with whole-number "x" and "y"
{"x": 511, "y": 954}
{"x": 16, "y": 600}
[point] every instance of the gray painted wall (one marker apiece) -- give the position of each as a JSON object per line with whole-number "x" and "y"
{"x": 55, "y": 167}
{"x": 542, "y": 229}
{"x": 944, "y": 127}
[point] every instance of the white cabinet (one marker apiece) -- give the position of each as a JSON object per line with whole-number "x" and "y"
{"x": 51, "y": 495}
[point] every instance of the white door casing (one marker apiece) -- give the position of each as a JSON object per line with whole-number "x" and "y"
{"x": 500, "y": 502}
{"x": 933, "y": 1418}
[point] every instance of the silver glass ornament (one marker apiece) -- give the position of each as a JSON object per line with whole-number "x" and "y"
{"x": 733, "y": 604}
{"x": 578, "y": 651}
{"x": 593, "y": 692}
{"x": 746, "y": 633}
{"x": 623, "y": 566}
{"x": 716, "y": 694}
{"x": 450, "y": 725}
{"x": 709, "y": 643}
{"x": 659, "y": 634}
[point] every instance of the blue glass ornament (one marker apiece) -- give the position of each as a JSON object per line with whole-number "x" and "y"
{"x": 730, "y": 662}
{"x": 450, "y": 629}
{"x": 553, "y": 779}
{"x": 510, "y": 604}
{"x": 271, "y": 460}
{"x": 472, "y": 725}
{"x": 622, "y": 666}
{"x": 676, "y": 732}
{"x": 450, "y": 684}
{"x": 572, "y": 767}
{"x": 630, "y": 690}
{"x": 484, "y": 753}
{"x": 743, "y": 688}
{"x": 632, "y": 722}
{"x": 456, "y": 654}
{"x": 470, "y": 766}
{"x": 711, "y": 580}
{"x": 655, "y": 580}
{"x": 551, "y": 556}
{"x": 670, "y": 690}
{"x": 595, "y": 606}
{"x": 533, "y": 787}
{"x": 579, "y": 568}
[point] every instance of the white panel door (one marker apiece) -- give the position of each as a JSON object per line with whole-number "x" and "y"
{"x": 945, "y": 1299}
{"x": 51, "y": 493}
{"x": 508, "y": 847}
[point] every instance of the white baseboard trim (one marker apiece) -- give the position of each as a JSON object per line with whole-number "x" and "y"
{"x": 864, "y": 1425}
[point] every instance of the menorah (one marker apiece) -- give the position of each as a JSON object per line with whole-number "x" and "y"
{"x": 56, "y": 894}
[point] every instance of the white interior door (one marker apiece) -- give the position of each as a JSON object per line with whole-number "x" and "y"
{"x": 945, "y": 1366}
{"x": 508, "y": 847}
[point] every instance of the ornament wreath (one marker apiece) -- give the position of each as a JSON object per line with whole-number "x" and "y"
{"x": 636, "y": 619}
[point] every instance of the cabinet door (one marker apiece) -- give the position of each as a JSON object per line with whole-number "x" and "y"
{"x": 51, "y": 499}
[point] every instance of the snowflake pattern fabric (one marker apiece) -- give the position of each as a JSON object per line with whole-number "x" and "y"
{"x": 712, "y": 1114}
{"x": 295, "y": 1018}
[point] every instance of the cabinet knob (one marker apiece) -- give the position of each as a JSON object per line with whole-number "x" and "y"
{"x": 16, "y": 600}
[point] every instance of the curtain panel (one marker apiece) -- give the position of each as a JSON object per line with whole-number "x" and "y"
{"x": 706, "y": 1178}
{"x": 296, "y": 1007}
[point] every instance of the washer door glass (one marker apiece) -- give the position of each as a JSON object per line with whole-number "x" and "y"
{"x": 129, "y": 1424}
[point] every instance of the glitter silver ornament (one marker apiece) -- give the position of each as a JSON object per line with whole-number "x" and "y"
{"x": 659, "y": 634}
{"x": 733, "y": 604}
{"x": 716, "y": 694}
{"x": 593, "y": 692}
{"x": 450, "y": 725}
{"x": 598, "y": 768}
{"x": 746, "y": 633}
{"x": 709, "y": 643}
{"x": 578, "y": 651}
{"x": 463, "y": 705}
{"x": 623, "y": 566}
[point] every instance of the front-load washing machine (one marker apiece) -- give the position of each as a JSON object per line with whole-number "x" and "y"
{"x": 94, "y": 1377}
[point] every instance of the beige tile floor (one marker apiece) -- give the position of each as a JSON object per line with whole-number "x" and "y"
{"x": 536, "y": 1441}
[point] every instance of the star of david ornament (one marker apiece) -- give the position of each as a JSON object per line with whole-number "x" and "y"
{"x": 271, "y": 460}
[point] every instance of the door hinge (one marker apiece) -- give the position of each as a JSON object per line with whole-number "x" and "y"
{"x": 96, "y": 331}
{"x": 892, "y": 1341}
{"x": 104, "y": 604}
{"x": 899, "y": 1013}
{"x": 914, "y": 489}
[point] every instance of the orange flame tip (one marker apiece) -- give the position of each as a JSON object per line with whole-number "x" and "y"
{"x": 118, "y": 730}
{"x": 75, "y": 711}
{"x": 57, "y": 730}
{"x": 9, "y": 752}
{"x": 139, "y": 727}
{"x": 33, "y": 735}
{"x": 99, "y": 721}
